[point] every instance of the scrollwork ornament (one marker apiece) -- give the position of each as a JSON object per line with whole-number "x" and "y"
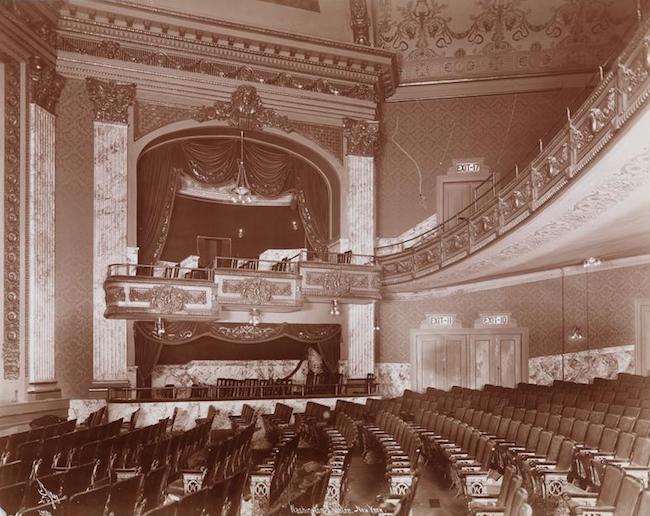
{"x": 245, "y": 110}
{"x": 45, "y": 85}
{"x": 336, "y": 283}
{"x": 256, "y": 291}
{"x": 360, "y": 22}
{"x": 362, "y": 136}
{"x": 168, "y": 299}
{"x": 110, "y": 100}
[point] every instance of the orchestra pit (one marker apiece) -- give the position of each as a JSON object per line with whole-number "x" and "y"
{"x": 325, "y": 257}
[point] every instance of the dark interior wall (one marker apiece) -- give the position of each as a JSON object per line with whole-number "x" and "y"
{"x": 265, "y": 227}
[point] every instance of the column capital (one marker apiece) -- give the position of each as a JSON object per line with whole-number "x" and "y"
{"x": 362, "y": 136}
{"x": 44, "y": 84}
{"x": 110, "y": 99}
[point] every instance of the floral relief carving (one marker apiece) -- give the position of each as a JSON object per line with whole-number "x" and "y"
{"x": 360, "y": 22}
{"x": 115, "y": 295}
{"x": 362, "y": 137}
{"x": 168, "y": 299}
{"x": 11, "y": 343}
{"x": 110, "y": 100}
{"x": 256, "y": 291}
{"x": 245, "y": 110}
{"x": 247, "y": 332}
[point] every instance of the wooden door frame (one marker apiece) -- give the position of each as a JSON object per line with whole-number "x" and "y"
{"x": 641, "y": 349}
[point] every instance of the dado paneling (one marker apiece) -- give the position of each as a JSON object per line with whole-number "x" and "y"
{"x": 503, "y": 129}
{"x": 74, "y": 240}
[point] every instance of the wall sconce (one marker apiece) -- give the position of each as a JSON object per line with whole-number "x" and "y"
{"x": 376, "y": 327}
{"x": 575, "y": 335}
{"x": 254, "y": 317}
{"x": 240, "y": 233}
{"x": 335, "y": 309}
{"x": 294, "y": 225}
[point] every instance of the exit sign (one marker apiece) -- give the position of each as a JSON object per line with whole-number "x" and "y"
{"x": 468, "y": 167}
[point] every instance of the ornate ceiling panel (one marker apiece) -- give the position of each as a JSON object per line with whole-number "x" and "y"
{"x": 494, "y": 38}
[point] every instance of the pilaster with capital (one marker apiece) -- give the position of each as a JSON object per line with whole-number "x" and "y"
{"x": 362, "y": 139}
{"x": 111, "y": 102}
{"x": 44, "y": 87}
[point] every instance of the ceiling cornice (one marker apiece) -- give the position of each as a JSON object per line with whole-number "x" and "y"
{"x": 27, "y": 29}
{"x": 146, "y": 35}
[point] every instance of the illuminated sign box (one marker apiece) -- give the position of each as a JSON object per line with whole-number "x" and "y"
{"x": 441, "y": 321}
{"x": 495, "y": 319}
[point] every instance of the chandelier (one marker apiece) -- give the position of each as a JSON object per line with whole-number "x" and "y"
{"x": 241, "y": 193}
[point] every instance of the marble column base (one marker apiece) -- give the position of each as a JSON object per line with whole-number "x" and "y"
{"x": 43, "y": 391}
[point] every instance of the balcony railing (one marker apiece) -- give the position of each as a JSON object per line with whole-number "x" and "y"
{"x": 623, "y": 90}
{"x": 145, "y": 292}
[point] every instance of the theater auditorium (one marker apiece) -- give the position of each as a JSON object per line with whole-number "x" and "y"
{"x": 325, "y": 257}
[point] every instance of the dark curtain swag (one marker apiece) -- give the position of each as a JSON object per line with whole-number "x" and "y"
{"x": 270, "y": 172}
{"x": 184, "y": 341}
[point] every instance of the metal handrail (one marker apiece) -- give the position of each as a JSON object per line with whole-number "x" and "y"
{"x": 618, "y": 95}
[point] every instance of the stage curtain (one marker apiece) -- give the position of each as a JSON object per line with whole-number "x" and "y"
{"x": 212, "y": 161}
{"x": 157, "y": 184}
{"x": 147, "y": 353}
{"x": 313, "y": 206}
{"x": 269, "y": 171}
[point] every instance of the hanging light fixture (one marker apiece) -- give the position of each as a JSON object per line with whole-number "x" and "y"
{"x": 335, "y": 309}
{"x": 575, "y": 335}
{"x": 241, "y": 193}
{"x": 159, "y": 328}
{"x": 254, "y": 317}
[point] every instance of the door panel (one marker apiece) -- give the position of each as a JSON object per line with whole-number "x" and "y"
{"x": 481, "y": 362}
{"x": 508, "y": 360}
{"x": 455, "y": 371}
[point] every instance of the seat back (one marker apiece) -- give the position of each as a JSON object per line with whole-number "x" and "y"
{"x": 641, "y": 452}
{"x": 611, "y": 483}
{"x": 624, "y": 445}
{"x": 554, "y": 448}
{"x": 88, "y": 503}
{"x": 519, "y": 498}
{"x": 628, "y": 495}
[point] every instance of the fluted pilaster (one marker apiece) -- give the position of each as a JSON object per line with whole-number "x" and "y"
{"x": 41, "y": 250}
{"x": 44, "y": 87}
{"x": 111, "y": 102}
{"x": 361, "y": 140}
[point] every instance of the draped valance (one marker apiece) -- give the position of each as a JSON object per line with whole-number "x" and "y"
{"x": 213, "y": 161}
{"x": 224, "y": 341}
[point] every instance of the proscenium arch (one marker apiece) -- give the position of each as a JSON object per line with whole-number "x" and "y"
{"x": 324, "y": 162}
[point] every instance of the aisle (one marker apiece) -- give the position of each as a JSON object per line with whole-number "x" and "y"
{"x": 431, "y": 498}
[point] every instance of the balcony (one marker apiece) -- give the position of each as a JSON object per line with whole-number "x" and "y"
{"x": 589, "y": 136}
{"x": 149, "y": 292}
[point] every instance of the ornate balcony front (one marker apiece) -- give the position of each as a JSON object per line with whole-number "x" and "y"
{"x": 171, "y": 292}
{"x": 137, "y": 292}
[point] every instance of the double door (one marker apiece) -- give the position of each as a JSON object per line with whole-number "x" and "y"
{"x": 468, "y": 358}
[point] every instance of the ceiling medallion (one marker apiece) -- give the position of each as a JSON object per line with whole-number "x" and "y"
{"x": 245, "y": 110}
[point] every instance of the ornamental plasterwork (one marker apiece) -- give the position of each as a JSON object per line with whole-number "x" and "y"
{"x": 110, "y": 100}
{"x": 44, "y": 84}
{"x": 362, "y": 137}
{"x": 245, "y": 110}
{"x": 360, "y": 22}
{"x": 336, "y": 283}
{"x": 247, "y": 332}
{"x": 115, "y": 295}
{"x": 168, "y": 299}
{"x": 12, "y": 258}
{"x": 256, "y": 291}
{"x": 438, "y": 39}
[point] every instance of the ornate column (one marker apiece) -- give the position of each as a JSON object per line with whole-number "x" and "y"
{"x": 361, "y": 139}
{"x": 44, "y": 88}
{"x": 110, "y": 129}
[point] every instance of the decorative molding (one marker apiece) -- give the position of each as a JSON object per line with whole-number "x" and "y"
{"x": 110, "y": 100}
{"x": 44, "y": 84}
{"x": 362, "y": 137}
{"x": 245, "y": 110}
{"x": 439, "y": 41}
{"x": 246, "y": 332}
{"x": 256, "y": 291}
{"x": 360, "y": 22}
{"x": 556, "y": 167}
{"x": 12, "y": 248}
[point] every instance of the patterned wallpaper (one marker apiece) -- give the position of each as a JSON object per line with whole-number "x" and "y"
{"x": 504, "y": 129}
{"x": 537, "y": 306}
{"x": 468, "y": 38}
{"x": 74, "y": 240}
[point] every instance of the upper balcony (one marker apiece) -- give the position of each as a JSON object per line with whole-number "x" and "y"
{"x": 585, "y": 191}
{"x": 174, "y": 292}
